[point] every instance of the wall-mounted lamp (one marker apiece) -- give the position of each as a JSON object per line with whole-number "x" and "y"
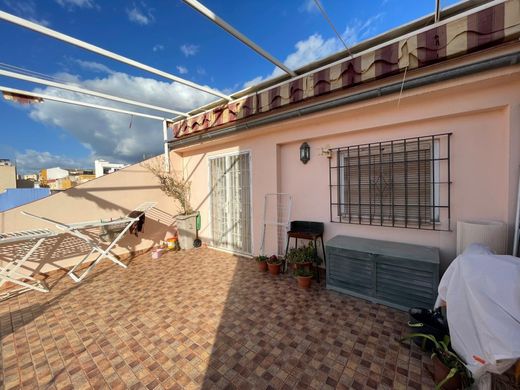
{"x": 305, "y": 153}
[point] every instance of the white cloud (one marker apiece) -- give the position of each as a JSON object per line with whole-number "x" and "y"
{"x": 315, "y": 47}
{"x": 312, "y": 49}
{"x": 189, "y": 49}
{"x": 32, "y": 161}
{"x": 255, "y": 81}
{"x": 94, "y": 66}
{"x": 77, "y": 3}
{"x": 140, "y": 15}
{"x": 26, "y": 9}
{"x": 158, "y": 47}
{"x": 359, "y": 30}
{"x": 108, "y": 134}
{"x": 309, "y": 50}
{"x": 308, "y": 6}
{"x": 182, "y": 69}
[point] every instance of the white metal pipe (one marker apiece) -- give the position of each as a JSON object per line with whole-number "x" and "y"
{"x": 166, "y": 147}
{"x": 73, "y": 88}
{"x": 77, "y": 103}
{"x": 327, "y": 19}
{"x": 237, "y": 34}
{"x": 98, "y": 50}
{"x": 437, "y": 10}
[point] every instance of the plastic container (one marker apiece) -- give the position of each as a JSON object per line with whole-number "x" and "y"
{"x": 157, "y": 253}
{"x": 173, "y": 244}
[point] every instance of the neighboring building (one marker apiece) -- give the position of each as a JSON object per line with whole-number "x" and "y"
{"x": 31, "y": 176}
{"x": 50, "y": 175}
{"x": 78, "y": 172}
{"x": 23, "y": 183}
{"x": 58, "y": 179}
{"x": 14, "y": 197}
{"x": 103, "y": 167}
{"x": 7, "y": 175}
{"x": 61, "y": 184}
{"x": 80, "y": 176}
{"x": 56, "y": 173}
{"x": 28, "y": 181}
{"x": 80, "y": 179}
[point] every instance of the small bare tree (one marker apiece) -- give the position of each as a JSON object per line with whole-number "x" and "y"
{"x": 172, "y": 184}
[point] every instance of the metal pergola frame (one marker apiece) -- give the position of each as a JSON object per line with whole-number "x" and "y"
{"x": 22, "y": 93}
{"x": 106, "y": 53}
{"x": 73, "y": 88}
{"x": 237, "y": 34}
{"x": 393, "y": 35}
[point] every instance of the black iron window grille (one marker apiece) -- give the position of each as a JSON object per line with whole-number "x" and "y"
{"x": 401, "y": 183}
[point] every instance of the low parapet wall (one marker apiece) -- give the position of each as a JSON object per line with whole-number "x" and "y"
{"x": 109, "y": 196}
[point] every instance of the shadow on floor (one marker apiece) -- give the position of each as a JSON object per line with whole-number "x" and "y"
{"x": 273, "y": 334}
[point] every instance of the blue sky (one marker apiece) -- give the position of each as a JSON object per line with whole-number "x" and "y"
{"x": 168, "y": 35}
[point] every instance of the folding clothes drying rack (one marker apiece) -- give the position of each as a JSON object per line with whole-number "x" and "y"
{"x": 9, "y": 272}
{"x": 123, "y": 224}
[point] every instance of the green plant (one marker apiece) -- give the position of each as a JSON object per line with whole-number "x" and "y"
{"x": 261, "y": 259}
{"x": 303, "y": 254}
{"x": 450, "y": 359}
{"x": 303, "y": 273}
{"x": 274, "y": 260}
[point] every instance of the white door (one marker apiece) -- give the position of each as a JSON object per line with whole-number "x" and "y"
{"x": 230, "y": 184}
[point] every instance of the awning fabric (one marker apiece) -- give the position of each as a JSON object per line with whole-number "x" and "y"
{"x": 471, "y": 33}
{"x": 22, "y": 99}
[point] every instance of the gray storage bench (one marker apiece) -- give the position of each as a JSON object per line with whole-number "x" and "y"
{"x": 394, "y": 274}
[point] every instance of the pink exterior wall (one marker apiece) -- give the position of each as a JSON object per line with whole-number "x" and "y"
{"x": 109, "y": 196}
{"x": 482, "y": 112}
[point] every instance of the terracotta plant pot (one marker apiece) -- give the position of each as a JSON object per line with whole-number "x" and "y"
{"x": 262, "y": 266}
{"x": 440, "y": 371}
{"x": 274, "y": 269}
{"x": 304, "y": 281}
{"x": 306, "y": 265}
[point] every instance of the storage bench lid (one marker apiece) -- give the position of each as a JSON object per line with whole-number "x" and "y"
{"x": 387, "y": 248}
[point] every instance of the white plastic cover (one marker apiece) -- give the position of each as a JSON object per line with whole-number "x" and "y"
{"x": 482, "y": 295}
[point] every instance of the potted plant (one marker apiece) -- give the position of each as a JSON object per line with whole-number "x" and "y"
{"x": 176, "y": 187}
{"x": 304, "y": 277}
{"x": 449, "y": 371}
{"x": 301, "y": 258}
{"x": 274, "y": 263}
{"x": 262, "y": 262}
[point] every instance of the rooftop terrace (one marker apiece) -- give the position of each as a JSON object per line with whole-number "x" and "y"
{"x": 201, "y": 319}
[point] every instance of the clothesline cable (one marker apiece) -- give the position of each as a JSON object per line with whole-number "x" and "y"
{"x": 402, "y": 86}
{"x": 34, "y": 73}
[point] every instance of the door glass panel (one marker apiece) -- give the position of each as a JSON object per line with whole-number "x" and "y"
{"x": 231, "y": 202}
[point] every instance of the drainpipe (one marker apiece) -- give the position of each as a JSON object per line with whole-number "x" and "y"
{"x": 421, "y": 81}
{"x": 166, "y": 148}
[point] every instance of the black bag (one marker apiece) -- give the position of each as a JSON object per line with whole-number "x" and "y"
{"x": 427, "y": 321}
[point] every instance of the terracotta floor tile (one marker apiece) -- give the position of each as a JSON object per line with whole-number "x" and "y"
{"x": 202, "y": 319}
